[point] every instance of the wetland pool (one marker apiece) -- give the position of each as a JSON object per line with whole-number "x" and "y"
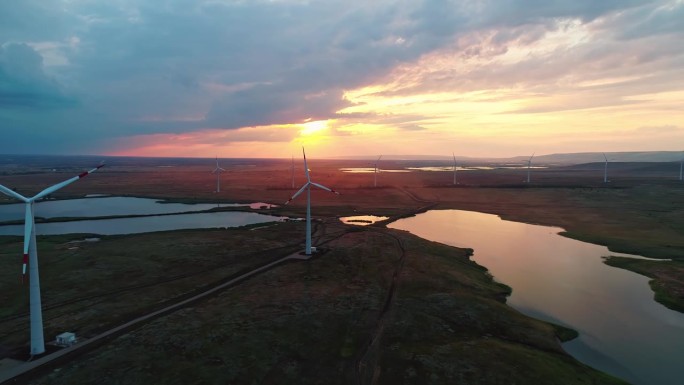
{"x": 362, "y": 220}
{"x": 147, "y": 224}
{"x": 623, "y": 331}
{"x": 109, "y": 206}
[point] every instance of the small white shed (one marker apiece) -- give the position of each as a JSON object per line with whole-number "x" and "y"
{"x": 66, "y": 339}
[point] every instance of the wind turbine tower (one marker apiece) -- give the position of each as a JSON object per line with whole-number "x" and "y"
{"x": 307, "y": 187}
{"x": 292, "y": 172}
{"x": 529, "y": 164}
{"x": 218, "y": 171}
{"x": 31, "y": 258}
{"x": 454, "y": 155}
{"x": 375, "y": 180}
{"x": 605, "y": 169}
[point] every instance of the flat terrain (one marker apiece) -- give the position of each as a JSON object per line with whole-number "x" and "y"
{"x": 380, "y": 307}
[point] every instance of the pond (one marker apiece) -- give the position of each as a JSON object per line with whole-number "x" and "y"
{"x": 147, "y": 224}
{"x": 108, "y": 206}
{"x": 362, "y": 220}
{"x": 623, "y": 331}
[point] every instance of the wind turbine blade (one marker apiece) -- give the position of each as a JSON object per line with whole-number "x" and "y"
{"x": 605, "y": 157}
{"x": 454, "y": 155}
{"x": 532, "y": 157}
{"x": 222, "y": 169}
{"x": 298, "y": 192}
{"x": 67, "y": 182}
{"x": 324, "y": 188}
{"x": 378, "y": 159}
{"x": 306, "y": 168}
{"x": 12, "y": 193}
{"x": 28, "y": 227}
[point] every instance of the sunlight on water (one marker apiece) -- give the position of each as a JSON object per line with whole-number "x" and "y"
{"x": 367, "y": 170}
{"x": 362, "y": 220}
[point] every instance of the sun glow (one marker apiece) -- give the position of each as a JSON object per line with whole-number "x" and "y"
{"x": 313, "y": 128}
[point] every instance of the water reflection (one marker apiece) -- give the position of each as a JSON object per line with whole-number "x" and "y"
{"x": 362, "y": 220}
{"x": 367, "y": 170}
{"x": 147, "y": 224}
{"x": 109, "y": 206}
{"x": 622, "y": 330}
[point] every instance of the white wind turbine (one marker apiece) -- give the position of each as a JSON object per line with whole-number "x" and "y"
{"x": 307, "y": 187}
{"x": 218, "y": 171}
{"x": 375, "y": 180}
{"x": 454, "y": 167}
{"x": 605, "y": 169}
{"x": 31, "y": 257}
{"x": 529, "y": 164}
{"x": 292, "y": 170}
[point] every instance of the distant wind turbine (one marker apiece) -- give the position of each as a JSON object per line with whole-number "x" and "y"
{"x": 307, "y": 187}
{"x": 375, "y": 180}
{"x": 454, "y": 155}
{"x": 292, "y": 172}
{"x": 529, "y": 164}
{"x": 31, "y": 258}
{"x": 218, "y": 171}
{"x": 605, "y": 169}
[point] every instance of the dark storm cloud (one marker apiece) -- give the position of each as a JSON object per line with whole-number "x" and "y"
{"x": 23, "y": 83}
{"x": 146, "y": 67}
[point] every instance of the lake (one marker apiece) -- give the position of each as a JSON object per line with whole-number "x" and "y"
{"x": 362, "y": 220}
{"x": 623, "y": 331}
{"x": 147, "y": 224}
{"x": 108, "y": 206}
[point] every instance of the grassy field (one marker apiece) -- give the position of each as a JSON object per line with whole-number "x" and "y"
{"x": 667, "y": 278}
{"x": 88, "y": 287}
{"x": 359, "y": 312}
{"x": 380, "y": 306}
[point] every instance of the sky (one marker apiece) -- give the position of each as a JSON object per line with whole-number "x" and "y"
{"x": 261, "y": 78}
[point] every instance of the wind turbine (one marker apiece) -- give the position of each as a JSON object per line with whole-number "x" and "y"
{"x": 31, "y": 257}
{"x": 217, "y": 171}
{"x": 605, "y": 169}
{"x": 307, "y": 187}
{"x": 292, "y": 169}
{"x": 454, "y": 167}
{"x": 375, "y": 180}
{"x": 529, "y": 164}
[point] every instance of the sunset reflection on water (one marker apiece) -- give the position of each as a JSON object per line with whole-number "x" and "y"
{"x": 623, "y": 331}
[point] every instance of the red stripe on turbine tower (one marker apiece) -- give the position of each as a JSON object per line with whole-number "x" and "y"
{"x": 81, "y": 175}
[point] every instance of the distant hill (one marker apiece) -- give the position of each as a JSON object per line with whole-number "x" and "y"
{"x": 590, "y": 157}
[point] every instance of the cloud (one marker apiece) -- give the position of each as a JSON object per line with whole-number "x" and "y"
{"x": 127, "y": 68}
{"x": 23, "y": 83}
{"x": 655, "y": 130}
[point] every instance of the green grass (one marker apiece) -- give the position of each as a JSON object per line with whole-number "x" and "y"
{"x": 667, "y": 278}
{"x": 309, "y": 322}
